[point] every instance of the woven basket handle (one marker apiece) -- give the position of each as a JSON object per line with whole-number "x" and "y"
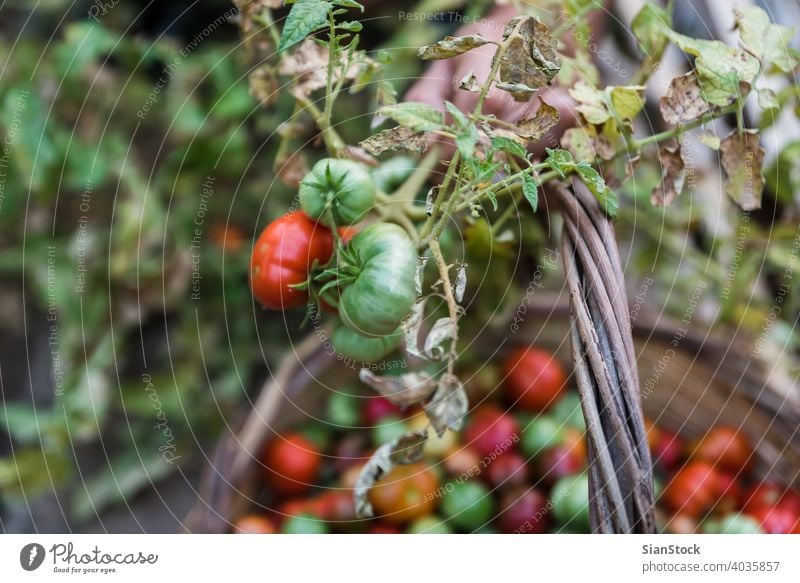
{"x": 620, "y": 470}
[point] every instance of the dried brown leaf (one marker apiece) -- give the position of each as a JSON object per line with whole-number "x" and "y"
{"x": 451, "y": 46}
{"x": 672, "y": 177}
{"x": 264, "y": 85}
{"x": 448, "y": 406}
{"x": 397, "y": 138}
{"x": 544, "y": 119}
{"x": 404, "y": 390}
{"x": 469, "y": 83}
{"x": 684, "y": 100}
{"x": 307, "y": 65}
{"x": 742, "y": 156}
{"x": 531, "y": 60}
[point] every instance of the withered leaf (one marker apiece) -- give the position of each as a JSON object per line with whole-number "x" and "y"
{"x": 403, "y": 390}
{"x": 672, "y": 177}
{"x": 292, "y": 169}
{"x": 461, "y": 283}
{"x": 469, "y": 83}
{"x": 710, "y": 139}
{"x": 742, "y": 157}
{"x": 451, "y": 46}
{"x": 405, "y": 449}
{"x": 531, "y": 60}
{"x": 307, "y": 65}
{"x": 534, "y": 128}
{"x": 396, "y": 138}
{"x": 441, "y": 332}
{"x": 411, "y": 328}
{"x": 448, "y": 406}
{"x": 264, "y": 85}
{"x": 684, "y": 100}
{"x": 580, "y": 142}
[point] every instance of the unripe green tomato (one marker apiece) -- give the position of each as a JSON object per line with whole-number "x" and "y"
{"x": 344, "y": 410}
{"x": 394, "y": 172}
{"x": 304, "y": 524}
{"x": 568, "y": 411}
{"x": 341, "y": 190}
{"x": 733, "y": 524}
{"x": 570, "y": 499}
{"x": 541, "y": 433}
{"x": 429, "y": 525}
{"x": 364, "y": 348}
{"x": 388, "y": 429}
{"x": 383, "y": 292}
{"x": 467, "y": 505}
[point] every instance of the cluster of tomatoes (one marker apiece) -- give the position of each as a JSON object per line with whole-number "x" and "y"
{"x": 710, "y": 487}
{"x": 313, "y": 258}
{"x": 518, "y": 466}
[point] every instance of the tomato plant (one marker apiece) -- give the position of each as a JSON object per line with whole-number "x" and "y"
{"x": 534, "y": 379}
{"x": 337, "y": 192}
{"x": 282, "y": 258}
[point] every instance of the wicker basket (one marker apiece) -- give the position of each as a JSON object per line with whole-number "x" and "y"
{"x": 708, "y": 379}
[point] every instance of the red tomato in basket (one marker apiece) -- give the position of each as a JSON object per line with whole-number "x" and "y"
{"x": 534, "y": 379}
{"x": 780, "y": 519}
{"x": 491, "y": 431}
{"x": 254, "y": 524}
{"x": 725, "y": 447}
{"x": 376, "y": 408}
{"x": 694, "y": 489}
{"x": 283, "y": 256}
{"x": 509, "y": 469}
{"x": 558, "y": 461}
{"x": 292, "y": 463}
{"x": 523, "y": 512}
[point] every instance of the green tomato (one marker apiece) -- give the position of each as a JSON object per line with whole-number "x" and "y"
{"x": 304, "y": 524}
{"x": 568, "y": 411}
{"x": 364, "y": 348}
{"x": 467, "y": 505}
{"x": 344, "y": 410}
{"x": 341, "y": 190}
{"x": 570, "y": 499}
{"x": 429, "y": 525}
{"x": 318, "y": 434}
{"x": 541, "y": 433}
{"x": 382, "y": 293}
{"x": 388, "y": 429}
{"x": 394, "y": 172}
{"x": 733, "y": 524}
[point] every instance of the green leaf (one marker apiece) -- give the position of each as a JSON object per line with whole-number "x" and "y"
{"x": 560, "y": 160}
{"x": 467, "y": 139}
{"x": 509, "y": 146}
{"x": 460, "y": 119}
{"x": 348, "y": 4}
{"x": 591, "y": 103}
{"x": 305, "y": 17}
{"x": 769, "y": 43}
{"x": 418, "y": 116}
{"x": 649, "y": 27}
{"x": 595, "y": 182}
{"x": 627, "y": 101}
{"x": 451, "y": 46}
{"x": 350, "y": 26}
{"x": 531, "y": 191}
{"x": 720, "y": 68}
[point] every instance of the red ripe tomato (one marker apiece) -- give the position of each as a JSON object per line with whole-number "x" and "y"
{"x": 491, "y": 431}
{"x": 381, "y": 528}
{"x": 509, "y": 469}
{"x": 292, "y": 463}
{"x": 376, "y": 408}
{"x": 730, "y": 491}
{"x": 523, "y": 512}
{"x": 282, "y": 257}
{"x": 336, "y": 506}
{"x": 254, "y": 524}
{"x": 778, "y": 519}
{"x": 534, "y": 379}
{"x": 725, "y": 447}
{"x": 405, "y": 493}
{"x": 694, "y": 490}
{"x": 667, "y": 449}
{"x": 558, "y": 461}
